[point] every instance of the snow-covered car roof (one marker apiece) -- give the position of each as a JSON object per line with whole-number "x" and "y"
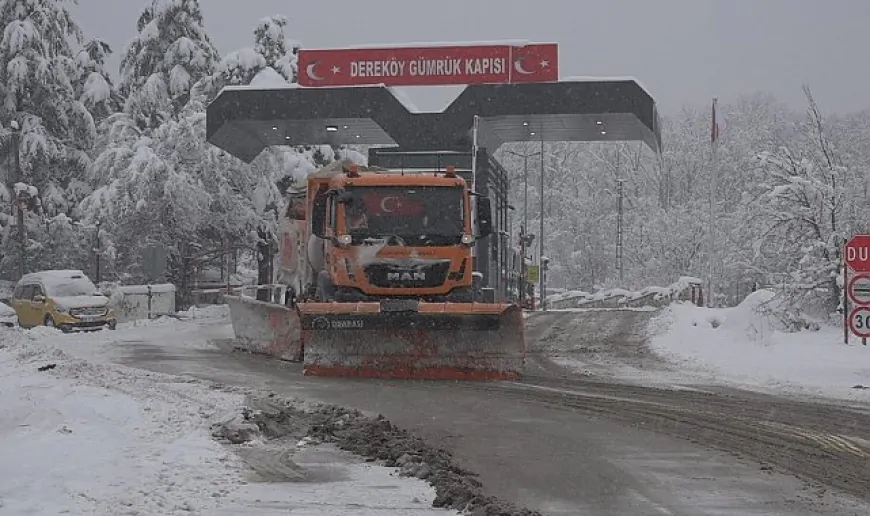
{"x": 53, "y": 276}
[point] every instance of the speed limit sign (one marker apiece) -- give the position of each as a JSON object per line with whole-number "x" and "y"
{"x": 859, "y": 321}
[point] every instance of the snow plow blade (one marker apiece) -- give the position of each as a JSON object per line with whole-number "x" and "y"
{"x": 413, "y": 340}
{"x": 265, "y": 328}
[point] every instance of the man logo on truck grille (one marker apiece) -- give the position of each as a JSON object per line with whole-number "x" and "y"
{"x": 406, "y": 276}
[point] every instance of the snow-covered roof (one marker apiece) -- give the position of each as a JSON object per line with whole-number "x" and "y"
{"x": 424, "y": 44}
{"x": 269, "y": 78}
{"x": 260, "y": 87}
{"x": 337, "y": 167}
{"x": 615, "y": 78}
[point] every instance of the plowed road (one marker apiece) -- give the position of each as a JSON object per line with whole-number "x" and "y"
{"x": 568, "y": 444}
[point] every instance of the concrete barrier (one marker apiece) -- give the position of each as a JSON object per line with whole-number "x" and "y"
{"x": 265, "y": 328}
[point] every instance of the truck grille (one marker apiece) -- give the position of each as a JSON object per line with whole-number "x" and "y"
{"x": 90, "y": 311}
{"x": 397, "y": 276}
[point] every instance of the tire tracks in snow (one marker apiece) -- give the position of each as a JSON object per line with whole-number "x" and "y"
{"x": 825, "y": 444}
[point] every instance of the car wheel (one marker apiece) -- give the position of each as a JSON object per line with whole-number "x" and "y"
{"x": 49, "y": 321}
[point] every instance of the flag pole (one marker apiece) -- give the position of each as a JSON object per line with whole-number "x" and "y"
{"x": 714, "y": 141}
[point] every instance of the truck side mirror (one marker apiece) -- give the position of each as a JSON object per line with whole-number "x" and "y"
{"x": 318, "y": 217}
{"x": 484, "y": 217}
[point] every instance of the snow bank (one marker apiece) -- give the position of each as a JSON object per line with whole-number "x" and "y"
{"x": 747, "y": 345}
{"x": 144, "y": 440}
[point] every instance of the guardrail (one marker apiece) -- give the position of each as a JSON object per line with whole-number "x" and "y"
{"x": 277, "y": 292}
{"x": 685, "y": 289}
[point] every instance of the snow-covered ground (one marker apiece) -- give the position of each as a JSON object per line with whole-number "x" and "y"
{"x": 87, "y": 437}
{"x": 750, "y": 349}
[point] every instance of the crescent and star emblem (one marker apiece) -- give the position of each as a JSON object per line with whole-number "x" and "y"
{"x": 395, "y": 204}
{"x": 312, "y": 71}
{"x": 520, "y": 68}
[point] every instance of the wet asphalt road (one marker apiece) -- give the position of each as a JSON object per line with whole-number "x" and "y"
{"x": 591, "y": 445}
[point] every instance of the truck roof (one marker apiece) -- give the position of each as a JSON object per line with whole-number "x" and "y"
{"x": 373, "y": 176}
{"x": 398, "y": 179}
{"x": 337, "y": 167}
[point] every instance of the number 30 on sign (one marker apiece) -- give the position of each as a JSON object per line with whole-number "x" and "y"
{"x": 859, "y": 321}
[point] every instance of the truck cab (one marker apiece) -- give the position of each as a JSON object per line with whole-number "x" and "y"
{"x": 391, "y": 234}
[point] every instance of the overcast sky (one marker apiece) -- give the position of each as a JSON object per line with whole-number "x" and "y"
{"x": 683, "y": 51}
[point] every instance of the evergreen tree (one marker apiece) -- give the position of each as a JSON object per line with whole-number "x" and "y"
{"x": 94, "y": 86}
{"x": 55, "y": 130}
{"x": 271, "y": 42}
{"x": 170, "y": 53}
{"x": 37, "y": 69}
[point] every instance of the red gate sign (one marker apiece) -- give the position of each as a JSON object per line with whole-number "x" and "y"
{"x": 857, "y": 253}
{"x": 859, "y": 321}
{"x": 430, "y": 66}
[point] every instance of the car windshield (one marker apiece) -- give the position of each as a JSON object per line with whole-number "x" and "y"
{"x": 70, "y": 287}
{"x": 419, "y": 216}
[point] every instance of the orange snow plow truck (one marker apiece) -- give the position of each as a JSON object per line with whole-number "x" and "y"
{"x": 378, "y": 267}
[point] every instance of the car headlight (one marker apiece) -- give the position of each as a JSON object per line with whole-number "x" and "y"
{"x": 61, "y": 309}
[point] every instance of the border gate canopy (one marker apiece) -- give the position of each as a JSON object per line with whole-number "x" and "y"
{"x": 244, "y": 120}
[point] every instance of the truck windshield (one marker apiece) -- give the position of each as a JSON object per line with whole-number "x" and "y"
{"x": 419, "y": 215}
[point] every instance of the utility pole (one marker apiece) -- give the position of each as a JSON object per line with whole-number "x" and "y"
{"x": 524, "y": 237}
{"x": 522, "y": 286}
{"x": 16, "y": 200}
{"x": 714, "y": 143}
{"x": 619, "y": 231}
{"x": 97, "y": 253}
{"x": 525, "y": 157}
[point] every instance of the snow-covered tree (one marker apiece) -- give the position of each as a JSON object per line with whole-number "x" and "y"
{"x": 802, "y": 210}
{"x": 271, "y": 42}
{"x": 94, "y": 86}
{"x": 38, "y": 78}
{"x": 37, "y": 68}
{"x": 170, "y": 53}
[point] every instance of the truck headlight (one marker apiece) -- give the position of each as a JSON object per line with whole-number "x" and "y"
{"x": 467, "y": 239}
{"x": 344, "y": 239}
{"x": 61, "y": 309}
